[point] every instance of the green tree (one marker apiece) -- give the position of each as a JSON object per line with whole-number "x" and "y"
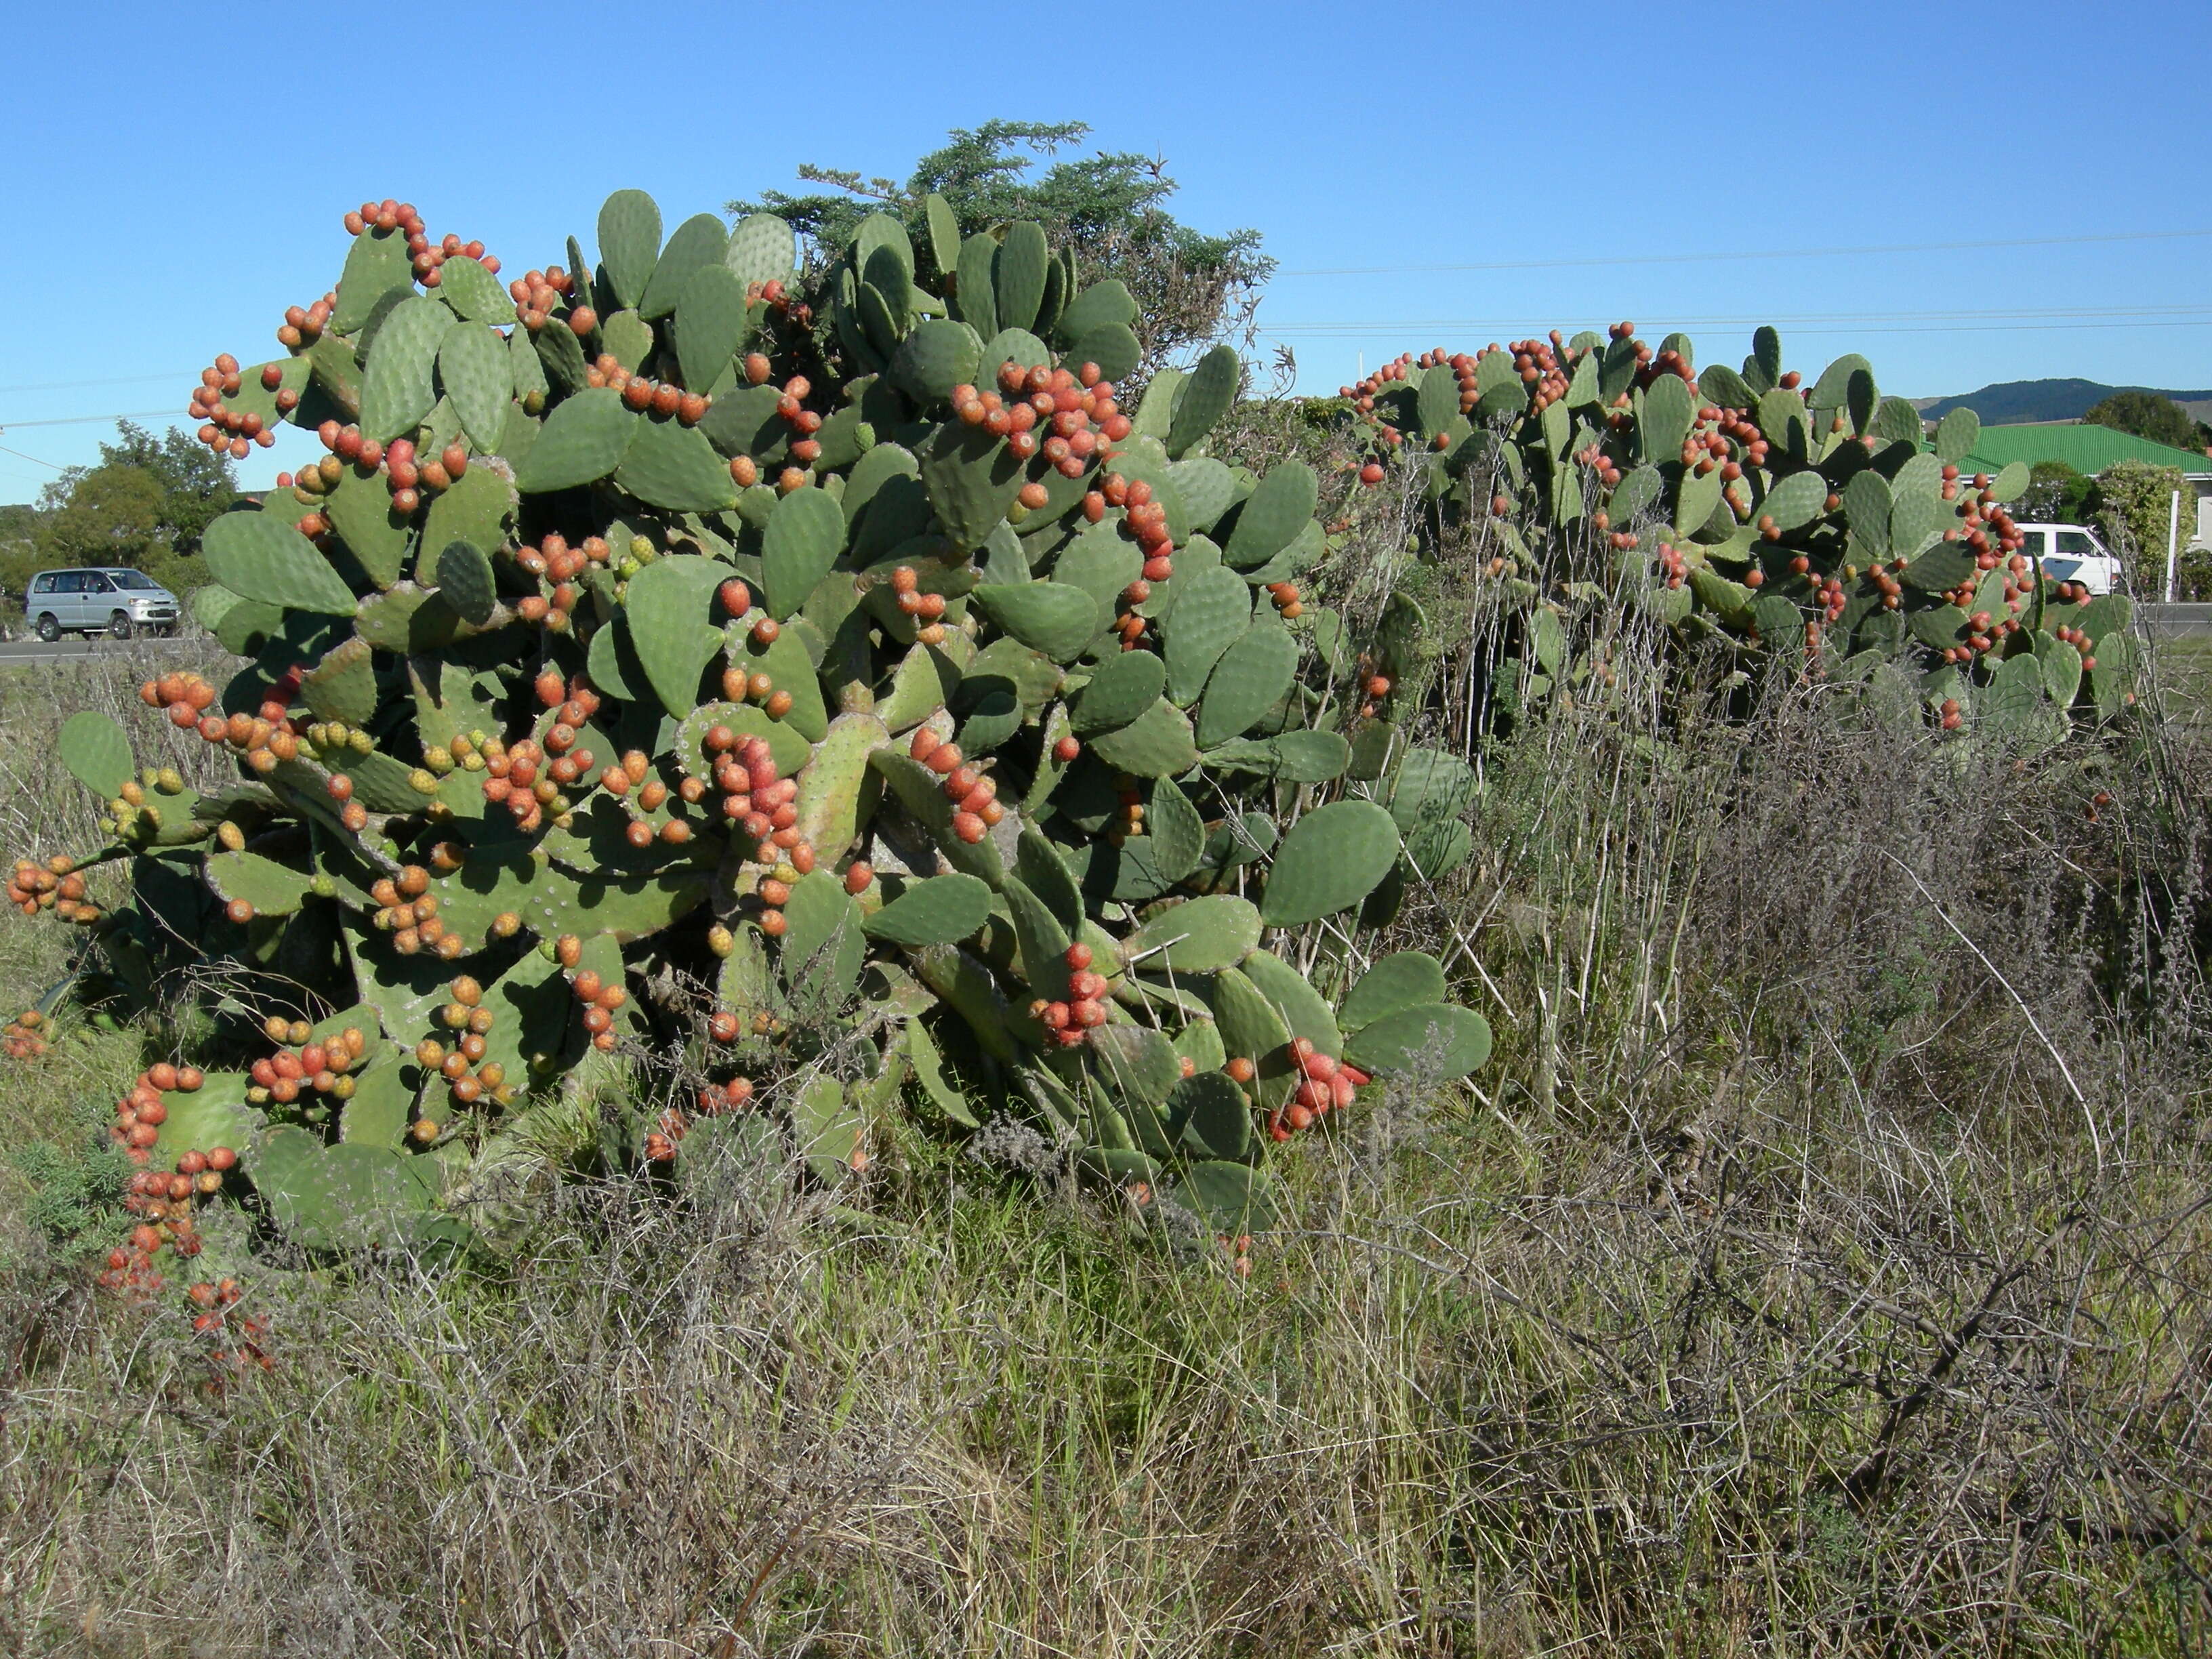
{"x": 145, "y": 505}
{"x": 193, "y": 485}
{"x": 1191, "y": 289}
{"x": 2056, "y": 494}
{"x": 2132, "y": 504}
{"x": 2146, "y": 415}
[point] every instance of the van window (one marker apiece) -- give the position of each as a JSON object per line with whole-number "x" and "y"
{"x": 130, "y": 580}
{"x": 48, "y": 583}
{"x": 2078, "y": 543}
{"x": 92, "y": 581}
{"x": 2032, "y": 544}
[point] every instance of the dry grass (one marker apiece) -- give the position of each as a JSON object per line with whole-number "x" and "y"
{"x": 1821, "y": 1266}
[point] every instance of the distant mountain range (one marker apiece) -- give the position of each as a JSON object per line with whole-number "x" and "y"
{"x": 2015, "y": 402}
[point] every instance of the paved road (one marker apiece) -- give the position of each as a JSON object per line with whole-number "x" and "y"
{"x": 2171, "y": 619}
{"x": 24, "y": 653}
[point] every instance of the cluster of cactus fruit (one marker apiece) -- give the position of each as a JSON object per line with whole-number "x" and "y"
{"x": 819, "y": 691}
{"x": 1815, "y": 523}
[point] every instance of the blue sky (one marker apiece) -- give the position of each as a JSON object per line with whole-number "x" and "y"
{"x": 176, "y": 176}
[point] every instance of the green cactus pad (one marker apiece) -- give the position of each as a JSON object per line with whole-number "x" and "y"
{"x": 1211, "y": 614}
{"x": 473, "y": 292}
{"x": 1157, "y": 744}
{"x": 1017, "y": 275}
{"x": 1398, "y": 982}
{"x": 1053, "y": 617}
{"x": 1046, "y": 874}
{"x": 1230, "y": 1199}
{"x": 1210, "y": 1114}
{"x": 1956, "y": 434}
{"x": 385, "y": 1090}
{"x": 360, "y": 510}
{"x": 629, "y": 243}
{"x": 400, "y": 384}
{"x": 1014, "y": 345}
{"x": 934, "y": 358}
{"x": 1795, "y": 501}
{"x": 1868, "y": 506}
{"x": 376, "y": 264}
{"x": 1042, "y": 941}
{"x": 1292, "y": 757}
{"x": 1272, "y": 515}
{"x": 1331, "y": 860}
{"x": 822, "y": 947}
{"x": 787, "y": 662}
{"x": 1252, "y": 1029}
{"x": 710, "y": 321}
{"x": 213, "y": 1115}
{"x": 1113, "y": 347}
{"x": 762, "y": 249}
{"x": 920, "y": 790}
{"x": 670, "y": 466}
{"x": 1199, "y": 936}
{"x": 929, "y": 1072}
{"x": 966, "y": 985}
{"x": 1428, "y": 1041}
{"x": 804, "y": 535}
{"x": 343, "y": 685}
{"x": 1124, "y": 687}
{"x": 1103, "y": 302}
{"x": 478, "y": 508}
{"x": 971, "y": 479}
{"x": 464, "y": 581}
{"x": 700, "y": 243}
{"x": 1177, "y": 832}
{"x": 975, "y": 301}
{"x": 627, "y": 338}
{"x": 1250, "y": 678}
{"x": 258, "y": 556}
{"x": 96, "y": 752}
{"x": 1304, "y": 1010}
{"x": 1139, "y": 1068}
{"x": 272, "y": 889}
{"x": 668, "y": 603}
{"x": 473, "y": 367}
{"x": 583, "y": 440}
{"x": 1204, "y": 398}
{"x": 933, "y": 910}
{"x": 832, "y": 786}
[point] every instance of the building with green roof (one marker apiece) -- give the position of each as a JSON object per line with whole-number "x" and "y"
{"x": 2087, "y": 449}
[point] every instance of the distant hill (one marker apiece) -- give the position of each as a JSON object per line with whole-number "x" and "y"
{"x": 2012, "y": 403}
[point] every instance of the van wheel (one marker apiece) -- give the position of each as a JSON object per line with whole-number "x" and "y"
{"x": 118, "y": 626}
{"x": 49, "y": 630}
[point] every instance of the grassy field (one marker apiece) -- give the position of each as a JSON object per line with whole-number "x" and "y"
{"x": 1820, "y": 1268}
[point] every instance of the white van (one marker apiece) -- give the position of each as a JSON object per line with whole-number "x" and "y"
{"x": 112, "y": 600}
{"x": 2069, "y": 553}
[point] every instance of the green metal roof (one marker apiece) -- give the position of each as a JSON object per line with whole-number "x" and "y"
{"x": 2087, "y": 449}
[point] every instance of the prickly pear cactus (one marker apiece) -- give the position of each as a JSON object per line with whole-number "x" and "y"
{"x": 1817, "y": 523}
{"x": 823, "y": 692}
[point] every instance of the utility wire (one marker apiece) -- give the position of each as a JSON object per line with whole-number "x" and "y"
{"x": 81, "y": 420}
{"x": 1764, "y": 253}
{"x": 33, "y": 459}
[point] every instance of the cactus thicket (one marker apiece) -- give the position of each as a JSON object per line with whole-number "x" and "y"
{"x": 823, "y": 685}
{"x": 1817, "y": 524}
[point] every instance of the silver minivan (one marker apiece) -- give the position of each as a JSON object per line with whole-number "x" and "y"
{"x": 107, "y": 599}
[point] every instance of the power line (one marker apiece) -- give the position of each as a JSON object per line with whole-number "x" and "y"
{"x": 127, "y": 380}
{"x": 84, "y": 420}
{"x": 1764, "y": 253}
{"x": 33, "y": 459}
